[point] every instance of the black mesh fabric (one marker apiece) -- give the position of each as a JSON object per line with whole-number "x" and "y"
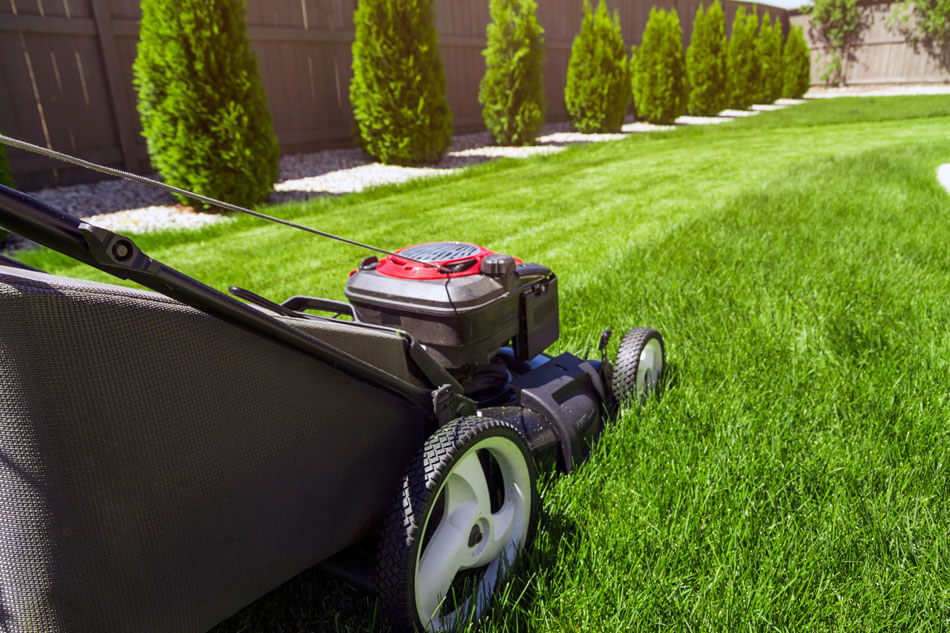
{"x": 160, "y": 469}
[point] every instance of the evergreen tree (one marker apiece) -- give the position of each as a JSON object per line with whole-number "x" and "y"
{"x": 597, "y": 93}
{"x": 796, "y": 61}
{"x": 742, "y": 62}
{"x": 769, "y": 51}
{"x": 398, "y": 85}
{"x": 706, "y": 63}
{"x": 203, "y": 111}
{"x": 512, "y": 90}
{"x": 634, "y": 69}
{"x": 775, "y": 76}
{"x": 660, "y": 82}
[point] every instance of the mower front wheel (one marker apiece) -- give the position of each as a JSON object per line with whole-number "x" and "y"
{"x": 466, "y": 510}
{"x": 640, "y": 363}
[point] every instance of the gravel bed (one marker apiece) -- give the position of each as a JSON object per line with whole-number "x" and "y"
{"x": 701, "y": 120}
{"x": 105, "y": 196}
{"x": 878, "y": 91}
{"x": 738, "y": 114}
{"x": 155, "y": 218}
{"x": 132, "y": 207}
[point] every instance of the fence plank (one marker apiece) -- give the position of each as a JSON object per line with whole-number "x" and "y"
{"x": 883, "y": 56}
{"x": 117, "y": 97}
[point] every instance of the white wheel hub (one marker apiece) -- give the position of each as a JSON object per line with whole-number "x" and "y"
{"x": 470, "y": 542}
{"x": 650, "y": 367}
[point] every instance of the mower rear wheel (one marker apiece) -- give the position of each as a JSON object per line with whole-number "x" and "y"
{"x": 640, "y": 363}
{"x": 466, "y": 510}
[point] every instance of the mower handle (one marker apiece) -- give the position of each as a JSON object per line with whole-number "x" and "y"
{"x": 120, "y": 256}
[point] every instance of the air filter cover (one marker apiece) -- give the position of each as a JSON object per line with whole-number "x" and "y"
{"x": 461, "y": 258}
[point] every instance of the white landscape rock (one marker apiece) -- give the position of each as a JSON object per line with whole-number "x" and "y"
{"x": 878, "y": 91}
{"x": 943, "y": 176}
{"x": 700, "y": 120}
{"x": 503, "y": 151}
{"x": 639, "y": 126}
{"x": 356, "y": 178}
{"x": 736, "y": 114}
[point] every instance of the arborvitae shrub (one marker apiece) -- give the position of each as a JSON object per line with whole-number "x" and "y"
{"x": 742, "y": 62}
{"x": 598, "y": 79}
{"x": 634, "y": 69}
{"x": 796, "y": 60}
{"x": 512, "y": 90}
{"x": 706, "y": 63}
{"x": 398, "y": 85}
{"x": 769, "y": 50}
{"x": 203, "y": 110}
{"x": 661, "y": 90}
{"x": 6, "y": 178}
{"x": 775, "y": 78}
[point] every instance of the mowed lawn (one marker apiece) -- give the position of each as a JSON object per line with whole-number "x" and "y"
{"x": 794, "y": 475}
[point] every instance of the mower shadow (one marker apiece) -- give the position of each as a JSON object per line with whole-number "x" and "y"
{"x": 314, "y": 601}
{"x": 318, "y": 602}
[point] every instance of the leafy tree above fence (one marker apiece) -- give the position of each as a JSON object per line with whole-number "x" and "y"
{"x": 837, "y": 24}
{"x": 933, "y": 18}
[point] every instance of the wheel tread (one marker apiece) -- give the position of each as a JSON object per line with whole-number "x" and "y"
{"x": 624, "y": 380}
{"x": 402, "y": 524}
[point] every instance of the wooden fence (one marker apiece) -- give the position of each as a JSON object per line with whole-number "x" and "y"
{"x": 66, "y": 77}
{"x": 881, "y": 54}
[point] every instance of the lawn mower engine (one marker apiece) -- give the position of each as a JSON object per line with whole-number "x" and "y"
{"x": 487, "y": 318}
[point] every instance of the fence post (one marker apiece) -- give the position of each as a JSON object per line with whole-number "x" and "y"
{"x": 121, "y": 111}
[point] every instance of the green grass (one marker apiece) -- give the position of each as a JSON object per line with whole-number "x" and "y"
{"x": 795, "y": 473}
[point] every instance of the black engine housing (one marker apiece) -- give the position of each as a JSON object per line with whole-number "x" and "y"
{"x": 464, "y": 319}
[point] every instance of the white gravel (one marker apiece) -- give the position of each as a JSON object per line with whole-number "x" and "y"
{"x": 146, "y": 219}
{"x": 701, "y": 120}
{"x": 738, "y": 114}
{"x": 879, "y": 91}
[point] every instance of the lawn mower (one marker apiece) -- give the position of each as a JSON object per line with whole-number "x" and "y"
{"x": 168, "y": 457}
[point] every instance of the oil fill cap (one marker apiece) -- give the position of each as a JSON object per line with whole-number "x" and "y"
{"x": 497, "y": 265}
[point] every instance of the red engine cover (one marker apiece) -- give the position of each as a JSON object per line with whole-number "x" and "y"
{"x": 462, "y": 257}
